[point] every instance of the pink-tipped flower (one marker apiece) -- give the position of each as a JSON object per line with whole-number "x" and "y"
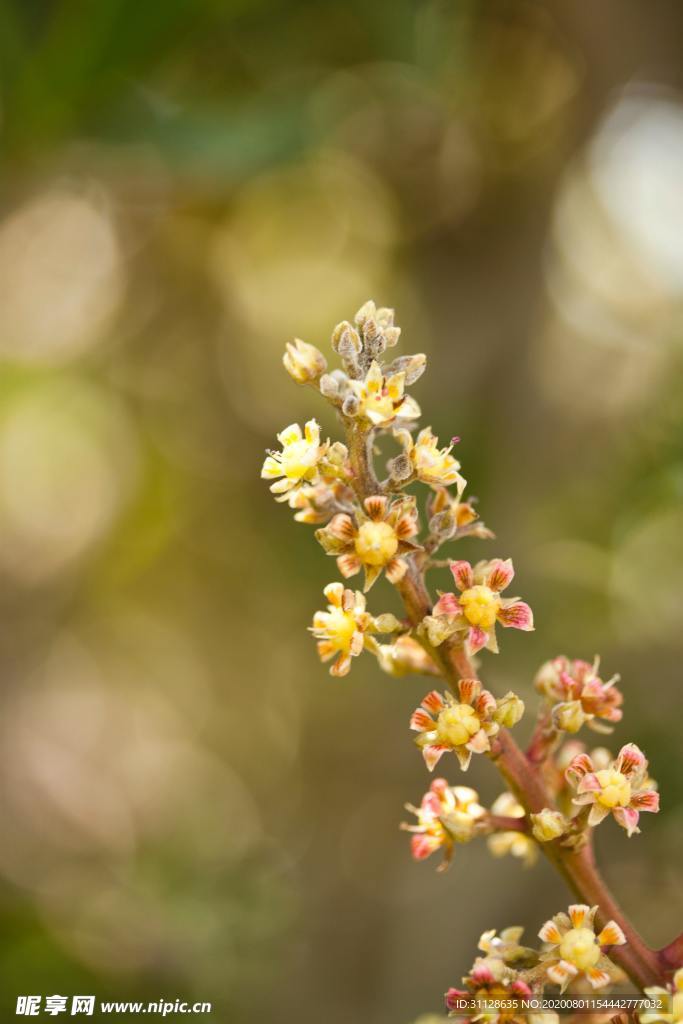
{"x": 579, "y": 695}
{"x": 478, "y": 606}
{"x": 623, "y": 788}
{"x": 463, "y": 725}
{"x": 447, "y": 815}
{"x": 574, "y": 950}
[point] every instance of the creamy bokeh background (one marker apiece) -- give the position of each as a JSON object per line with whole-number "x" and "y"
{"x": 191, "y": 807}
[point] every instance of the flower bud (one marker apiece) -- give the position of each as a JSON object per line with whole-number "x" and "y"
{"x": 387, "y": 623}
{"x": 569, "y": 715}
{"x": 337, "y": 454}
{"x": 391, "y": 335}
{"x": 442, "y": 525}
{"x": 460, "y": 825}
{"x": 509, "y": 710}
{"x": 412, "y": 366}
{"x": 329, "y": 386}
{"x": 303, "y": 362}
{"x": 350, "y": 406}
{"x": 400, "y": 468}
{"x": 346, "y": 336}
{"x": 367, "y": 310}
{"x": 548, "y": 825}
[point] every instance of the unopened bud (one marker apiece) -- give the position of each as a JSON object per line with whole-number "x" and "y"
{"x": 384, "y": 316}
{"x": 329, "y": 386}
{"x": 368, "y": 309}
{"x": 345, "y": 335}
{"x": 303, "y": 362}
{"x": 442, "y": 525}
{"x": 400, "y": 468}
{"x": 412, "y": 366}
{"x": 509, "y": 710}
{"x": 350, "y": 405}
{"x": 375, "y": 346}
{"x": 391, "y": 336}
{"x": 337, "y": 454}
{"x": 548, "y": 825}
{"x": 569, "y": 715}
{"x": 387, "y": 623}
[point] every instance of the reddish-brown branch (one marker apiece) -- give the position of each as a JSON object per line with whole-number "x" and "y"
{"x": 671, "y": 956}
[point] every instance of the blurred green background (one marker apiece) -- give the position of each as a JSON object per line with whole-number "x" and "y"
{"x": 190, "y": 806}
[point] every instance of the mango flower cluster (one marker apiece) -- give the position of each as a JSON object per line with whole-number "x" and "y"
{"x": 370, "y": 524}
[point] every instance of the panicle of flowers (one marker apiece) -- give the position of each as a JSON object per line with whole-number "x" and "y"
{"x": 372, "y": 525}
{"x": 578, "y": 695}
{"x": 375, "y": 538}
{"x": 473, "y": 613}
{"x": 622, "y": 789}
{"x": 574, "y": 950}
{"x": 463, "y": 724}
{"x": 346, "y": 628}
{"x": 447, "y": 815}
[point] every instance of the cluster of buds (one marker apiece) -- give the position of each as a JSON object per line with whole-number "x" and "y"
{"x": 372, "y": 525}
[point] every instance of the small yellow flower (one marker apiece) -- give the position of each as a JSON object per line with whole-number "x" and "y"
{"x": 431, "y": 464}
{"x": 303, "y": 362}
{"x": 382, "y": 399}
{"x": 344, "y": 629}
{"x": 299, "y": 459}
{"x": 575, "y": 949}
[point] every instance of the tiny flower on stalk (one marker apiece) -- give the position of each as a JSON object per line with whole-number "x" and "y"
{"x": 579, "y": 695}
{"x": 622, "y": 789}
{"x": 517, "y": 844}
{"x": 380, "y": 400}
{"x": 346, "y": 627}
{"x": 303, "y": 362}
{"x": 429, "y": 463}
{"x": 377, "y": 539}
{"x": 574, "y": 950}
{"x": 447, "y": 815}
{"x": 474, "y": 612}
{"x": 671, "y": 999}
{"x": 299, "y": 459}
{"x": 463, "y": 725}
